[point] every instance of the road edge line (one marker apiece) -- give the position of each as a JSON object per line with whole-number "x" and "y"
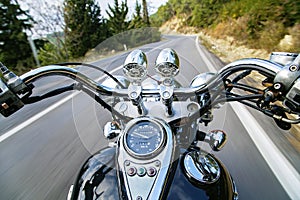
{"x": 43, "y": 113}
{"x": 36, "y": 117}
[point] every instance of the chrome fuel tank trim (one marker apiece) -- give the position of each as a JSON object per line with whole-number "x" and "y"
{"x": 146, "y": 178}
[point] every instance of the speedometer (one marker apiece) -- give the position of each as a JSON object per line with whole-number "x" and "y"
{"x": 144, "y": 138}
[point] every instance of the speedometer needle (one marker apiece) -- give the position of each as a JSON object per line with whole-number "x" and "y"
{"x": 140, "y": 135}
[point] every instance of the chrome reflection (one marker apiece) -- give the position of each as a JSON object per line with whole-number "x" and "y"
{"x": 111, "y": 130}
{"x": 167, "y": 63}
{"x": 201, "y": 79}
{"x": 135, "y": 65}
{"x": 284, "y": 58}
{"x": 110, "y": 83}
{"x": 201, "y": 167}
{"x": 216, "y": 139}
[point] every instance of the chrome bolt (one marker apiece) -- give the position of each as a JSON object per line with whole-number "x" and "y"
{"x": 133, "y": 95}
{"x": 277, "y": 86}
{"x": 127, "y": 162}
{"x": 166, "y": 94}
{"x": 157, "y": 163}
{"x": 123, "y": 107}
{"x": 139, "y": 198}
{"x": 293, "y": 68}
{"x": 168, "y": 82}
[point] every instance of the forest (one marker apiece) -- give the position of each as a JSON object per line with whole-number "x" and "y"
{"x": 260, "y": 24}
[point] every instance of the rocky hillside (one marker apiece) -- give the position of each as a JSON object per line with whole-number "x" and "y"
{"x": 272, "y": 25}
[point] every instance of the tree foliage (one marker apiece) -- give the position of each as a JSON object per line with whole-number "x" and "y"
{"x": 259, "y": 23}
{"x": 117, "y": 21}
{"x": 203, "y": 13}
{"x": 137, "y": 20}
{"x": 15, "y": 51}
{"x": 84, "y": 26}
{"x": 163, "y": 14}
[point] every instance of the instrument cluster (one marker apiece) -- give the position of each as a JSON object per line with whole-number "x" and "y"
{"x": 145, "y": 138}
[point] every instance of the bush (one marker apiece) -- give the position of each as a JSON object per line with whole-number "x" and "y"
{"x": 295, "y": 33}
{"x": 52, "y": 53}
{"x": 271, "y": 35}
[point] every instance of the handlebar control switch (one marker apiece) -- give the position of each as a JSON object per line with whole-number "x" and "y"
{"x": 9, "y": 101}
{"x": 293, "y": 97}
{"x": 13, "y": 81}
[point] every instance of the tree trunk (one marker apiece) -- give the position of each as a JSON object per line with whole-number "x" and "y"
{"x": 145, "y": 13}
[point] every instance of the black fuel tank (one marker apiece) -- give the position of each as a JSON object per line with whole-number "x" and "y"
{"x": 183, "y": 187}
{"x": 98, "y": 180}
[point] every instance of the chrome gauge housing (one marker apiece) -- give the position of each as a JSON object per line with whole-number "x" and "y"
{"x": 135, "y": 65}
{"x": 167, "y": 63}
{"x": 144, "y": 138}
{"x": 145, "y": 153}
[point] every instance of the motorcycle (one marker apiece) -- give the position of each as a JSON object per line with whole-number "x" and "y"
{"x": 155, "y": 128}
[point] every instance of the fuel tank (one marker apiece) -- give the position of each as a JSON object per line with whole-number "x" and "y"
{"x": 98, "y": 179}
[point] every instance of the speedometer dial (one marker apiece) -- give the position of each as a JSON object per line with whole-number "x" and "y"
{"x": 144, "y": 138}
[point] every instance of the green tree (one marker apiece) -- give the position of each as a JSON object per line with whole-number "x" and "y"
{"x": 117, "y": 21}
{"x": 163, "y": 14}
{"x": 137, "y": 20}
{"x": 15, "y": 51}
{"x": 84, "y": 28}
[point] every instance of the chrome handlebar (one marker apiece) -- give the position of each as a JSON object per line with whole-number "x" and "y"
{"x": 264, "y": 66}
{"x": 15, "y": 86}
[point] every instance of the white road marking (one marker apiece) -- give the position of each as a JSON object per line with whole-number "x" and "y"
{"x": 283, "y": 170}
{"x": 286, "y": 174}
{"x": 204, "y": 57}
{"x": 54, "y": 106}
{"x": 36, "y": 117}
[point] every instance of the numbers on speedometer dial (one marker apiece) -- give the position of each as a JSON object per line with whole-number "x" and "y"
{"x": 144, "y": 138}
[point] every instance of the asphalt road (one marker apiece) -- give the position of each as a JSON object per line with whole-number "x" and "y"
{"x": 41, "y": 160}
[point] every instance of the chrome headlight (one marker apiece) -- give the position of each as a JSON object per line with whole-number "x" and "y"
{"x": 167, "y": 63}
{"x": 135, "y": 65}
